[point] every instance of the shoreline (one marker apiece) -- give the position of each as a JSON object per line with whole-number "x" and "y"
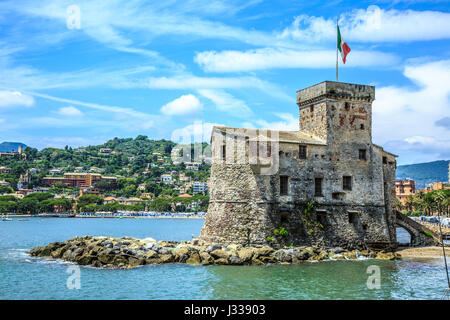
{"x": 423, "y": 253}
{"x": 105, "y": 217}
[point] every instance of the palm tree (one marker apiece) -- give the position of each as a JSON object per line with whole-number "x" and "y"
{"x": 398, "y": 205}
{"x": 440, "y": 198}
{"x": 419, "y": 201}
{"x": 409, "y": 203}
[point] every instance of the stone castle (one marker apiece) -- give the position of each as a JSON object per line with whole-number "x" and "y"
{"x": 326, "y": 184}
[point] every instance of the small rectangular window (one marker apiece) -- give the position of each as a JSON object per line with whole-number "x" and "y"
{"x": 284, "y": 188}
{"x": 318, "y": 187}
{"x": 352, "y": 217}
{"x": 384, "y": 160}
{"x": 224, "y": 152}
{"x": 347, "y": 106}
{"x": 302, "y": 152}
{"x": 269, "y": 149}
{"x": 362, "y": 154}
{"x": 347, "y": 183}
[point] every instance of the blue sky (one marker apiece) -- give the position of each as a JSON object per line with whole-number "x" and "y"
{"x": 166, "y": 68}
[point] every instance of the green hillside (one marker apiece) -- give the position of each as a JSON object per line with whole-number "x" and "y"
{"x": 424, "y": 173}
{"x": 134, "y": 161}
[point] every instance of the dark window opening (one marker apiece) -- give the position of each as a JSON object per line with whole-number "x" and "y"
{"x": 337, "y": 196}
{"x": 347, "y": 183}
{"x": 361, "y": 126}
{"x": 224, "y": 152}
{"x": 384, "y": 160}
{"x": 318, "y": 187}
{"x": 352, "y": 217}
{"x": 269, "y": 150}
{"x": 321, "y": 218}
{"x": 284, "y": 215}
{"x": 362, "y": 154}
{"x": 311, "y": 108}
{"x": 347, "y": 106}
{"x": 284, "y": 185}
{"x": 302, "y": 152}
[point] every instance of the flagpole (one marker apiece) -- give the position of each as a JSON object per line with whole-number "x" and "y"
{"x": 337, "y": 50}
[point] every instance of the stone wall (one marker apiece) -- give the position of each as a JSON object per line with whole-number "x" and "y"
{"x": 246, "y": 205}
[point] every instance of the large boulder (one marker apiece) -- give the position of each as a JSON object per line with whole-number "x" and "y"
{"x": 245, "y": 254}
{"x": 263, "y": 251}
{"x": 387, "y": 256}
{"x": 221, "y": 261}
{"x": 194, "y": 259}
{"x": 213, "y": 247}
{"x": 166, "y": 258}
{"x": 283, "y": 255}
{"x": 235, "y": 260}
{"x": 206, "y": 258}
{"x": 85, "y": 260}
{"x": 135, "y": 261}
{"x": 220, "y": 254}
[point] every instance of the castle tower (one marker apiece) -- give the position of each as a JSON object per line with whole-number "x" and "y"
{"x": 330, "y": 163}
{"x": 337, "y": 111}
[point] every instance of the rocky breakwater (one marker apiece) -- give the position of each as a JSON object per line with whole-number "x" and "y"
{"x": 127, "y": 252}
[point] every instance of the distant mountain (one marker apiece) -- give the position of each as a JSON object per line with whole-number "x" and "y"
{"x": 11, "y": 146}
{"x": 424, "y": 173}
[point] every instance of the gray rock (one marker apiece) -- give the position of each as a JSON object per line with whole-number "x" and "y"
{"x": 164, "y": 251}
{"x": 337, "y": 250}
{"x": 152, "y": 246}
{"x": 235, "y": 260}
{"x": 213, "y": 247}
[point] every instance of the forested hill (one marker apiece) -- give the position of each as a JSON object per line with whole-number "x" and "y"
{"x": 424, "y": 173}
{"x": 120, "y": 157}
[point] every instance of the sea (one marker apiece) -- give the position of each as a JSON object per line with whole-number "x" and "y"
{"x": 24, "y": 277}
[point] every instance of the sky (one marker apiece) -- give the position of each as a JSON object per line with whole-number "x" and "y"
{"x": 80, "y": 73}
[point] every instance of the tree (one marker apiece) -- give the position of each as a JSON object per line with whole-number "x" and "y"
{"x": 160, "y": 204}
{"x": 28, "y": 206}
{"x": 409, "y": 202}
{"x": 6, "y": 189}
{"x": 39, "y": 196}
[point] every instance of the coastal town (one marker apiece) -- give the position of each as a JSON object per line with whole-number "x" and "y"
{"x": 102, "y": 180}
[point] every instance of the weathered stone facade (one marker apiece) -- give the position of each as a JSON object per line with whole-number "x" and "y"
{"x": 325, "y": 184}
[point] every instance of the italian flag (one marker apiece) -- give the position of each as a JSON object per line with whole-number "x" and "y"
{"x": 342, "y": 46}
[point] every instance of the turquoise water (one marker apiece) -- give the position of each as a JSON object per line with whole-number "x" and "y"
{"x": 24, "y": 277}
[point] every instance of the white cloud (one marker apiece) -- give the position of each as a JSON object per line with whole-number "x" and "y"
{"x": 418, "y": 149}
{"x": 109, "y": 22}
{"x": 70, "y": 111}
{"x": 226, "y": 102}
{"x": 372, "y": 25}
{"x": 113, "y": 109}
{"x": 186, "y": 104}
{"x": 269, "y": 58}
{"x": 409, "y": 114}
{"x": 15, "y": 99}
